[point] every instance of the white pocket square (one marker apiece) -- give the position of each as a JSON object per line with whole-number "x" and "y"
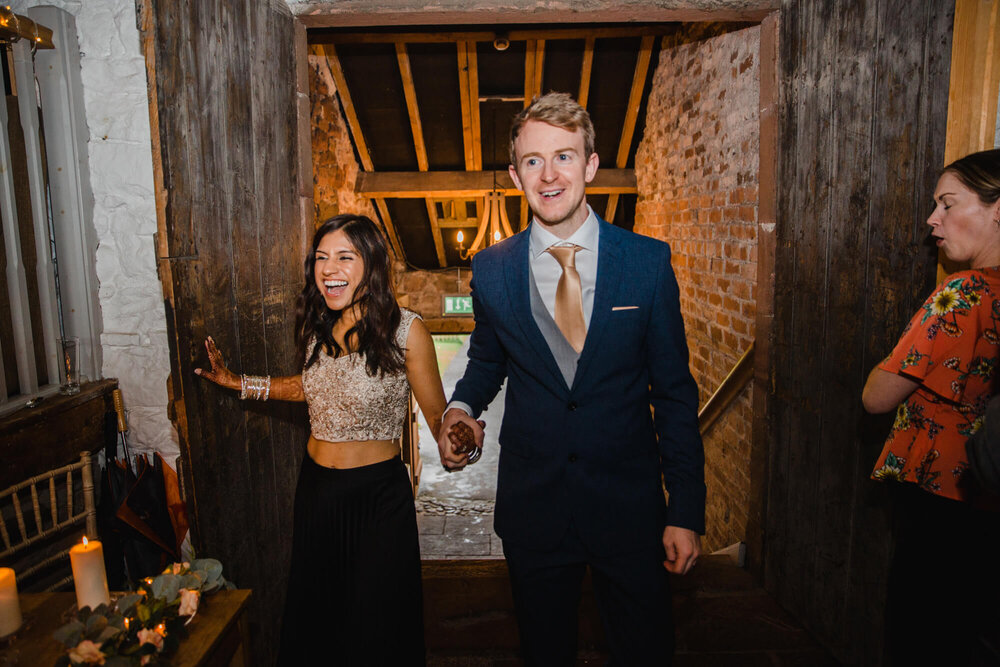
{"x": 614, "y": 308}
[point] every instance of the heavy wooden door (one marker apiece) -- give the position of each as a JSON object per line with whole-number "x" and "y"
{"x": 223, "y": 91}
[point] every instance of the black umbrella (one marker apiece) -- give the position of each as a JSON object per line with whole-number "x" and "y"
{"x": 133, "y": 520}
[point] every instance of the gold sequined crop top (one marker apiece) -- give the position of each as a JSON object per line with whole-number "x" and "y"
{"x": 345, "y": 403}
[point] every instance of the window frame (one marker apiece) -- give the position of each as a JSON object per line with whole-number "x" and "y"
{"x": 54, "y": 76}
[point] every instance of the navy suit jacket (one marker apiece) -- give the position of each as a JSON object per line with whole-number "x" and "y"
{"x": 591, "y": 454}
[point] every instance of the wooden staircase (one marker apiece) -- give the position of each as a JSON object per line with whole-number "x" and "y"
{"x": 722, "y": 618}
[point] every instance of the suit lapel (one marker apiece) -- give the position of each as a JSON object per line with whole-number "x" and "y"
{"x": 519, "y": 296}
{"x": 610, "y": 265}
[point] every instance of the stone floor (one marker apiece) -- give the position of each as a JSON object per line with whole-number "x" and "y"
{"x": 455, "y": 510}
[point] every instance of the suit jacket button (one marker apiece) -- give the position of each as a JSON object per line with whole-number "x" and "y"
{"x": 572, "y": 458}
{"x": 572, "y": 405}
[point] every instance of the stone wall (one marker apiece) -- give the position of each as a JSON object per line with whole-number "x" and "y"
{"x": 335, "y": 171}
{"x": 134, "y": 338}
{"x": 697, "y": 170}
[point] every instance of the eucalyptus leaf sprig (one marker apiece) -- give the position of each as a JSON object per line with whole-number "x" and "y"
{"x": 144, "y": 627}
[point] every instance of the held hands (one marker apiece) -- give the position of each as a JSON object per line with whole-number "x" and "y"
{"x": 450, "y": 444}
{"x": 218, "y": 374}
{"x": 683, "y": 546}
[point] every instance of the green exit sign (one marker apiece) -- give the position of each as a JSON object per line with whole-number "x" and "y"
{"x": 457, "y": 305}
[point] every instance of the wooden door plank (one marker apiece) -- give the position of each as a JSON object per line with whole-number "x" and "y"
{"x": 585, "y": 71}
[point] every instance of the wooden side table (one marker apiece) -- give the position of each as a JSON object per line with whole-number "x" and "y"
{"x": 217, "y": 637}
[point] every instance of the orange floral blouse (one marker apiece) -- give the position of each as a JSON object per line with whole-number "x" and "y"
{"x": 950, "y": 347}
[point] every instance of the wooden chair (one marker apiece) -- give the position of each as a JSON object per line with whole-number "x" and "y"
{"x": 48, "y": 520}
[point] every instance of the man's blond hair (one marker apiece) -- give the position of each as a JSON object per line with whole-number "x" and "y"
{"x": 560, "y": 110}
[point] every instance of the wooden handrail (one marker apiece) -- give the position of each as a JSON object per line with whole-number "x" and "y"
{"x": 727, "y": 392}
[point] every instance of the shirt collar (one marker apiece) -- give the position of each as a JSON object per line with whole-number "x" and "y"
{"x": 586, "y": 237}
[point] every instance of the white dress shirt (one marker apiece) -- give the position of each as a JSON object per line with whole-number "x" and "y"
{"x": 547, "y": 271}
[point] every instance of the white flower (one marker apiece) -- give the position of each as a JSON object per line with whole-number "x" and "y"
{"x": 86, "y": 652}
{"x": 189, "y": 602}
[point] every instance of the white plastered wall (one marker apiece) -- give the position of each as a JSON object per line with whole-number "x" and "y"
{"x": 134, "y": 338}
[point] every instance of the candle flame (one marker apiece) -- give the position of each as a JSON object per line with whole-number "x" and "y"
{"x": 460, "y": 236}
{"x": 496, "y": 235}
{"x": 84, "y": 540}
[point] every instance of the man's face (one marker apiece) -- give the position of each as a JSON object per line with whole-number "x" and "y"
{"x": 553, "y": 171}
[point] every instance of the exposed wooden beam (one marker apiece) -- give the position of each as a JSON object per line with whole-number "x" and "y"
{"x": 365, "y": 13}
{"x": 459, "y": 184}
{"x": 473, "y": 72}
{"x": 470, "y": 223}
{"x": 534, "y": 62}
{"x": 467, "y": 79}
{"x": 534, "y": 57}
{"x": 436, "y": 232}
{"x": 416, "y": 129}
{"x": 634, "y": 101}
{"x": 14, "y": 26}
{"x": 585, "y": 70}
{"x": 330, "y": 51}
{"x": 354, "y": 125}
{"x": 631, "y": 114}
{"x": 410, "y": 93}
{"x": 390, "y": 226}
{"x": 489, "y": 36}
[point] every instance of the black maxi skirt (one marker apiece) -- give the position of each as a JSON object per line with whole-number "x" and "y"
{"x": 354, "y": 591}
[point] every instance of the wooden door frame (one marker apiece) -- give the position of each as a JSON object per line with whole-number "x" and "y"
{"x": 766, "y": 12}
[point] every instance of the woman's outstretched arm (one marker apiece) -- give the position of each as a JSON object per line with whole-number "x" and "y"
{"x": 287, "y": 388}
{"x": 424, "y": 376}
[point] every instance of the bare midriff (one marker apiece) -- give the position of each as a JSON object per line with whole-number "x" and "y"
{"x": 352, "y": 453}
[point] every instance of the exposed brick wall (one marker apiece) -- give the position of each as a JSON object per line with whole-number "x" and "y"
{"x": 335, "y": 172}
{"x": 697, "y": 168}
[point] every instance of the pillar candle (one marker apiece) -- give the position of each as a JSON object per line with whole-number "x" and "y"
{"x": 91, "y": 582}
{"x": 10, "y": 606}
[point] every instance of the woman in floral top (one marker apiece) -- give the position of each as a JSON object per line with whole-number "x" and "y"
{"x": 939, "y": 378}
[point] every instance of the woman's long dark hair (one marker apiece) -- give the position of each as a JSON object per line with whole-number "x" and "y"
{"x": 374, "y": 333}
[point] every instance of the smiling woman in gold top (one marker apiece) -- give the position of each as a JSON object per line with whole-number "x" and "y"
{"x": 354, "y": 584}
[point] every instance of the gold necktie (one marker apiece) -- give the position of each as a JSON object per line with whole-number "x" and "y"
{"x": 569, "y": 297}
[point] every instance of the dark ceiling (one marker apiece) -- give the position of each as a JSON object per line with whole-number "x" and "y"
{"x": 441, "y": 103}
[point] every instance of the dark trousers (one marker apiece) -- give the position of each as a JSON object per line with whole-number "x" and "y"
{"x": 354, "y": 587}
{"x": 943, "y": 605}
{"x": 633, "y": 598}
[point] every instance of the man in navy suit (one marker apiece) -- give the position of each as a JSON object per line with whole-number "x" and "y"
{"x": 583, "y": 320}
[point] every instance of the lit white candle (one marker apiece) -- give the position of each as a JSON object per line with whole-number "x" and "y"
{"x": 91, "y": 582}
{"x": 10, "y": 606}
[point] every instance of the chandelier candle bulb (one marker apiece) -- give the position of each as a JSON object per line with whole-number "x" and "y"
{"x": 10, "y": 605}
{"x": 87, "y": 560}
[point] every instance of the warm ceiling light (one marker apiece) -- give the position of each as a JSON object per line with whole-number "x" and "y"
{"x": 494, "y": 221}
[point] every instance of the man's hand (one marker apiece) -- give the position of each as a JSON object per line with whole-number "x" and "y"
{"x": 446, "y": 448}
{"x": 683, "y": 547}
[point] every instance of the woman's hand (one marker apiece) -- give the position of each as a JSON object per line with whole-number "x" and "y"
{"x": 218, "y": 374}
